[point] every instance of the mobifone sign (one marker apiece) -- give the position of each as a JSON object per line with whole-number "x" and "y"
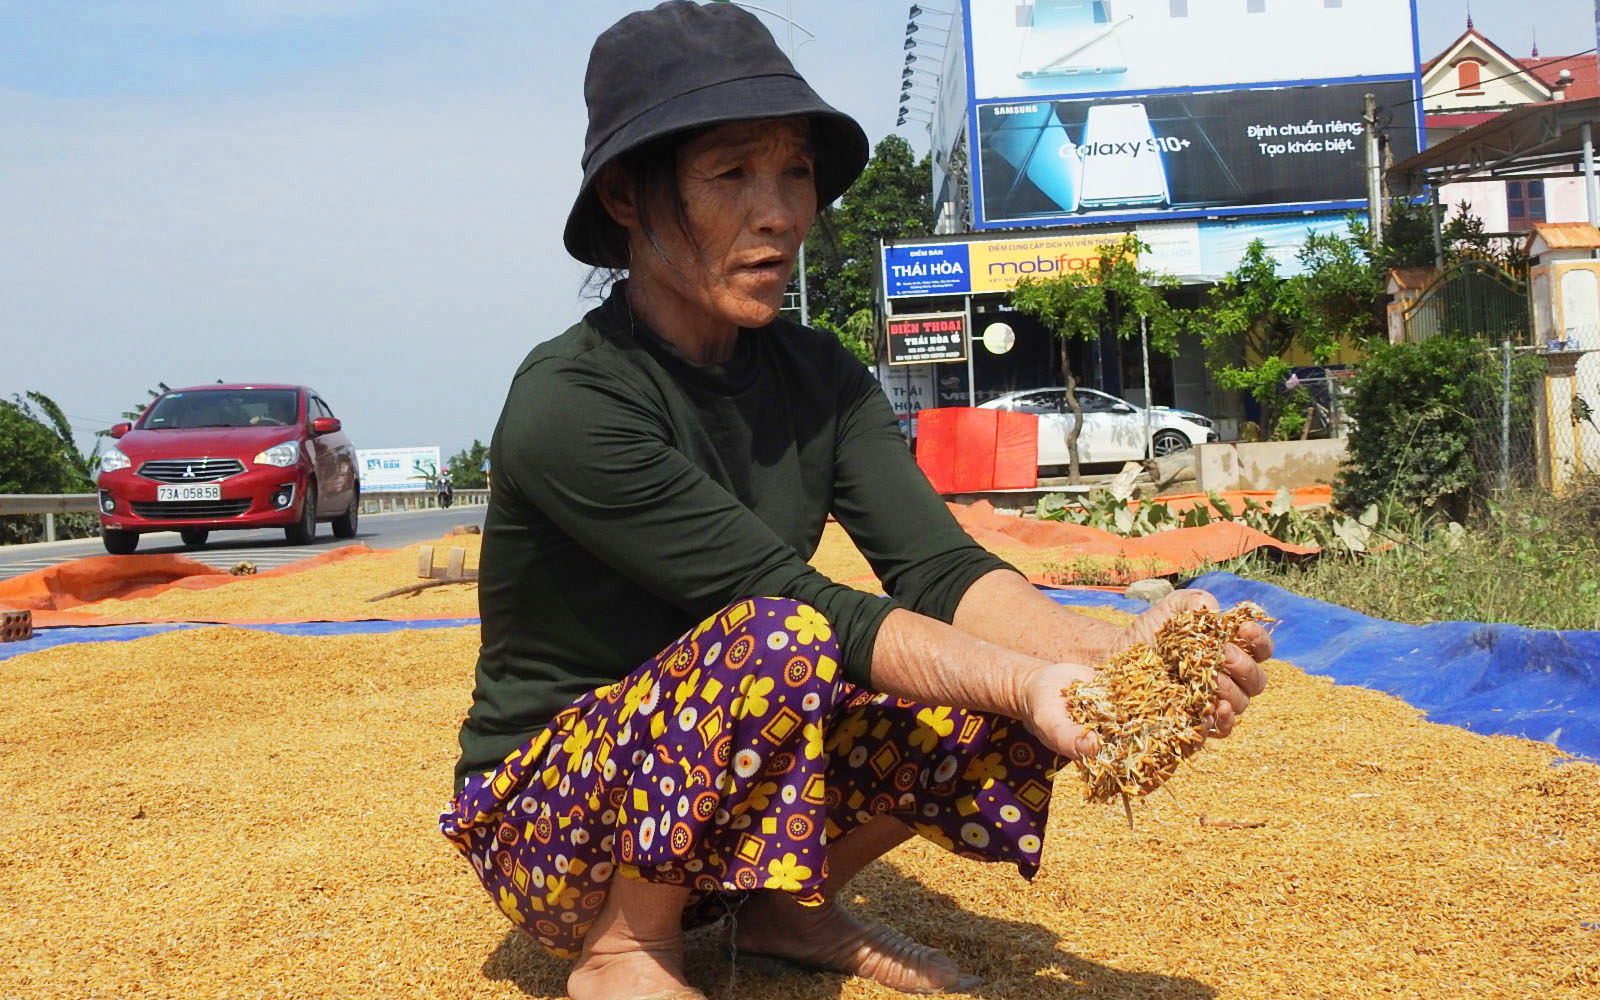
{"x": 979, "y": 267}
{"x": 916, "y": 340}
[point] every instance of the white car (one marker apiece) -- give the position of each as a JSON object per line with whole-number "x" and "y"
{"x": 1113, "y": 429}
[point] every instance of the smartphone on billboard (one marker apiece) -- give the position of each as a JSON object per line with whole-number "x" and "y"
{"x": 1036, "y": 144}
{"x": 1121, "y": 159}
{"x": 1070, "y": 38}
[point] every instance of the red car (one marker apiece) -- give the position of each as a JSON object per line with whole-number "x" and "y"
{"x": 214, "y": 457}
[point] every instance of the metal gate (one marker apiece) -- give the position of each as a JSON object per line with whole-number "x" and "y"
{"x": 1471, "y": 299}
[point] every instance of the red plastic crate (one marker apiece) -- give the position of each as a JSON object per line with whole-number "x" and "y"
{"x": 967, "y": 450}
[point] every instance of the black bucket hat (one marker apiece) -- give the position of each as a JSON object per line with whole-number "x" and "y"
{"x": 685, "y": 65}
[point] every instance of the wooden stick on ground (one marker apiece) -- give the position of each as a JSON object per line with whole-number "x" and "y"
{"x": 470, "y": 576}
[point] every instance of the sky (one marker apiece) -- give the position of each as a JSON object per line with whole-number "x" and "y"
{"x": 365, "y": 196}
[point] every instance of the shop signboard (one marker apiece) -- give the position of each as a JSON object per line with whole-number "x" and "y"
{"x": 397, "y": 468}
{"x": 917, "y": 340}
{"x": 1193, "y": 251}
{"x": 1123, "y": 110}
{"x": 910, "y": 389}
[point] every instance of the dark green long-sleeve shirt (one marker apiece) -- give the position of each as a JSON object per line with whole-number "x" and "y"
{"x": 636, "y": 493}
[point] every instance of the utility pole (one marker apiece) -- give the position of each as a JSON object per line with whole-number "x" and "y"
{"x": 1590, "y": 184}
{"x": 1149, "y": 397}
{"x": 1375, "y": 170}
{"x": 1436, "y": 214}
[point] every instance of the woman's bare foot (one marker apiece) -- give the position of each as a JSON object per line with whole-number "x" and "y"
{"x": 635, "y": 949}
{"x": 828, "y": 937}
{"x": 655, "y": 973}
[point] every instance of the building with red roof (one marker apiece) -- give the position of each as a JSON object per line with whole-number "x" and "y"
{"x": 1473, "y": 81}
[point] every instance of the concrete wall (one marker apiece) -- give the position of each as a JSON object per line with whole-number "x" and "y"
{"x": 1267, "y": 465}
{"x": 1564, "y": 201}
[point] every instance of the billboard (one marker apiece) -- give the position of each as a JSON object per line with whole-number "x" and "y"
{"x": 1222, "y": 152}
{"x": 1195, "y": 251}
{"x": 980, "y": 266}
{"x": 397, "y": 468}
{"x": 1045, "y": 48}
{"x": 916, "y": 340}
{"x": 949, "y": 125}
{"x": 1112, "y": 110}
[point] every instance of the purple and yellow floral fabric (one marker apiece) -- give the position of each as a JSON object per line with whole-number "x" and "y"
{"x": 726, "y": 764}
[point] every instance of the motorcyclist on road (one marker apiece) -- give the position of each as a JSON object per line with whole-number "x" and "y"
{"x": 446, "y": 489}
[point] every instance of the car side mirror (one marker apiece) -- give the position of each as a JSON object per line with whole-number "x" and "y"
{"x": 1122, "y": 408}
{"x": 117, "y": 430}
{"x": 326, "y": 425}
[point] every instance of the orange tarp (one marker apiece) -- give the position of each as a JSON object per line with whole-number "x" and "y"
{"x": 51, "y": 591}
{"x": 1305, "y": 496}
{"x": 1165, "y": 552}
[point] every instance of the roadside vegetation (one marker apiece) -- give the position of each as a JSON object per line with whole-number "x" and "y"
{"x": 1420, "y": 529}
{"x": 1531, "y": 560}
{"x": 37, "y": 455}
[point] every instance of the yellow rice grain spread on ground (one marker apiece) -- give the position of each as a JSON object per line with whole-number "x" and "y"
{"x": 336, "y": 590}
{"x": 340, "y": 590}
{"x": 221, "y": 813}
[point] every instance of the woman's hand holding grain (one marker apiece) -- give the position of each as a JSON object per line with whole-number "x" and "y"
{"x": 1045, "y": 713}
{"x": 1242, "y": 676}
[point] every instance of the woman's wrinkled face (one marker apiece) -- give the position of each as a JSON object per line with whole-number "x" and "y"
{"x": 749, "y": 196}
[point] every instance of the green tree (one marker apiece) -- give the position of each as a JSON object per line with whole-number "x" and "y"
{"x": 1408, "y": 240}
{"x": 1343, "y": 293}
{"x": 1407, "y": 236}
{"x": 856, "y": 333}
{"x": 37, "y": 455}
{"x": 466, "y": 466}
{"x": 1111, "y": 297}
{"x": 133, "y": 415}
{"x": 1419, "y": 411}
{"x": 1250, "y": 320}
{"x": 890, "y": 200}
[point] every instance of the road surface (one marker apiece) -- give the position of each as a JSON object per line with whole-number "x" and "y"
{"x": 264, "y": 547}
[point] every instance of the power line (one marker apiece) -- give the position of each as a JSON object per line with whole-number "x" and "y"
{"x": 1524, "y": 71}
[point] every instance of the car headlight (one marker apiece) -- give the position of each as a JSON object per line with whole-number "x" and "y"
{"x": 112, "y": 459}
{"x": 281, "y": 455}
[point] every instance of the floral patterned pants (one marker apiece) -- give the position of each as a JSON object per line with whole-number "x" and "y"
{"x": 726, "y": 764}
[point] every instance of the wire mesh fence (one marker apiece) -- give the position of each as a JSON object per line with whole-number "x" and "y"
{"x": 1536, "y": 414}
{"x": 1503, "y": 404}
{"x": 1567, "y": 419}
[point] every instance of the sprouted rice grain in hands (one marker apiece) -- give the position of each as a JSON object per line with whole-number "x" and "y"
{"x": 1150, "y": 704}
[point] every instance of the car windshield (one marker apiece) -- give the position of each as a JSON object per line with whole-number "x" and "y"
{"x": 1094, "y": 402}
{"x": 222, "y": 408}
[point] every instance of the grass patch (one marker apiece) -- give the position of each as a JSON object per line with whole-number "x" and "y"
{"x": 1533, "y": 560}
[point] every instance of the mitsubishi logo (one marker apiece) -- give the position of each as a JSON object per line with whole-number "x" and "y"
{"x": 188, "y": 472}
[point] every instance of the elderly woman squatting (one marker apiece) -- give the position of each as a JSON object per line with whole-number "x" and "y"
{"x": 674, "y": 715}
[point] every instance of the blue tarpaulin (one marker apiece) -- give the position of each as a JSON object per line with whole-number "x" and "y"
{"x": 1535, "y": 683}
{"x": 1506, "y": 679}
{"x": 46, "y": 638}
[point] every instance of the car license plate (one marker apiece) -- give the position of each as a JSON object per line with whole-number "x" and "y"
{"x": 180, "y": 493}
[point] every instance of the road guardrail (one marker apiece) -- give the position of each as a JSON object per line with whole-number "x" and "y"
{"x": 48, "y": 504}
{"x": 376, "y": 501}
{"x": 372, "y": 502}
